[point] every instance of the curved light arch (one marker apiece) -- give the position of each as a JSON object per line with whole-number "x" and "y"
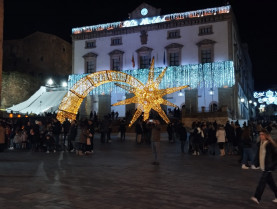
{"x": 71, "y": 102}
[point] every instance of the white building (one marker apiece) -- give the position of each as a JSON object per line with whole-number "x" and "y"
{"x": 201, "y": 48}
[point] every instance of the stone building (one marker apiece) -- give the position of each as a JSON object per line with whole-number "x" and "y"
{"x": 201, "y": 48}
{"x": 1, "y": 40}
{"x": 29, "y": 62}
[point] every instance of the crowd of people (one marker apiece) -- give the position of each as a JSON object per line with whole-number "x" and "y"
{"x": 252, "y": 142}
{"x": 49, "y": 135}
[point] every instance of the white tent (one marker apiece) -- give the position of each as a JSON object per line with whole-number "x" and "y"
{"x": 42, "y": 101}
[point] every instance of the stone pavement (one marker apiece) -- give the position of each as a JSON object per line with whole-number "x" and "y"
{"x": 120, "y": 176}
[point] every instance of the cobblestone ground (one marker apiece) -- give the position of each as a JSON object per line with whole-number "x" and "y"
{"x": 120, "y": 176}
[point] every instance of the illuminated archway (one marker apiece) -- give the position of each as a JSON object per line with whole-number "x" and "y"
{"x": 148, "y": 96}
{"x": 71, "y": 102}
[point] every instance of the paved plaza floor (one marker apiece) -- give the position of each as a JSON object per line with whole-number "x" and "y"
{"x": 120, "y": 176}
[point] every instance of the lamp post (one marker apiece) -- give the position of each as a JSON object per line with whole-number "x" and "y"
{"x": 50, "y": 82}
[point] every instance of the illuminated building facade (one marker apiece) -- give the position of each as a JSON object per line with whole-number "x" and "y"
{"x": 200, "y": 48}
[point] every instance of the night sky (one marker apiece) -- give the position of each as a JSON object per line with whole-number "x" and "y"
{"x": 256, "y": 19}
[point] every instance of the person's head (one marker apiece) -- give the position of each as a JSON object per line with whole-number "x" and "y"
{"x": 263, "y": 134}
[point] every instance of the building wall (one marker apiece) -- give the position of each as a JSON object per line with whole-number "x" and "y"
{"x": 227, "y": 46}
{"x": 1, "y": 42}
{"x": 40, "y": 53}
{"x": 38, "y": 57}
{"x": 157, "y": 40}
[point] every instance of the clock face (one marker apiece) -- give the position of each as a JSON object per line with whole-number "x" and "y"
{"x": 144, "y": 11}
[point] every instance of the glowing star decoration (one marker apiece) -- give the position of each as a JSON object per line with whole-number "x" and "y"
{"x": 149, "y": 96}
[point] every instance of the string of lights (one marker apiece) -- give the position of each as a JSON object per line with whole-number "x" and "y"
{"x": 208, "y": 75}
{"x": 153, "y": 20}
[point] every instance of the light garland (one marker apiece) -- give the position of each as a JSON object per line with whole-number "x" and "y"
{"x": 153, "y": 20}
{"x": 149, "y": 97}
{"x": 268, "y": 97}
{"x": 208, "y": 75}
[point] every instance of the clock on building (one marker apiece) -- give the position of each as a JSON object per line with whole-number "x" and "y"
{"x": 144, "y": 11}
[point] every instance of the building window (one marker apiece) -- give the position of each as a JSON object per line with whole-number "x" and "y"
{"x": 174, "y": 54}
{"x": 116, "y": 41}
{"x": 206, "y": 55}
{"x": 90, "y": 66}
{"x": 205, "y": 30}
{"x": 90, "y": 44}
{"x": 116, "y": 58}
{"x": 206, "y": 51}
{"x": 144, "y": 57}
{"x": 115, "y": 64}
{"x": 90, "y": 62}
{"x": 174, "y": 59}
{"x": 173, "y": 34}
{"x": 144, "y": 61}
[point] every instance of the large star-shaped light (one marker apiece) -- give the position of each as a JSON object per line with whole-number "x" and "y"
{"x": 149, "y": 96}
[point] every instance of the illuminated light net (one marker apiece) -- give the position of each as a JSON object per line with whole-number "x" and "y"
{"x": 148, "y": 96}
{"x": 208, "y": 75}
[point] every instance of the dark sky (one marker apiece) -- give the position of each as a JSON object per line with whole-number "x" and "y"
{"x": 256, "y": 19}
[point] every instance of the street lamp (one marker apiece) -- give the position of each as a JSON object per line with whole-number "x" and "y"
{"x": 64, "y": 84}
{"x": 50, "y": 82}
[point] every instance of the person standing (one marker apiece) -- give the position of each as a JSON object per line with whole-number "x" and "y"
{"x": 169, "y": 130}
{"x": 91, "y": 132}
{"x": 56, "y": 127}
{"x": 122, "y": 130}
{"x": 72, "y": 135}
{"x": 221, "y": 139}
{"x": 65, "y": 129}
{"x": 247, "y": 153}
{"x": 139, "y": 131}
{"x": 154, "y": 126}
{"x": 2, "y": 137}
{"x": 212, "y": 139}
{"x": 183, "y": 137}
{"x": 266, "y": 159}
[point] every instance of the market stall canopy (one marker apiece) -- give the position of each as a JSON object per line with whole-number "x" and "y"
{"x": 45, "y": 100}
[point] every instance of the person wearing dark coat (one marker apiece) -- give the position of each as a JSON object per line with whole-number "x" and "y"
{"x": 183, "y": 137}
{"x": 266, "y": 159}
{"x": 72, "y": 135}
{"x": 91, "y": 132}
{"x": 49, "y": 142}
{"x": 154, "y": 126}
{"x": 139, "y": 131}
{"x": 2, "y": 137}
{"x": 169, "y": 130}
{"x": 212, "y": 140}
{"x": 122, "y": 130}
